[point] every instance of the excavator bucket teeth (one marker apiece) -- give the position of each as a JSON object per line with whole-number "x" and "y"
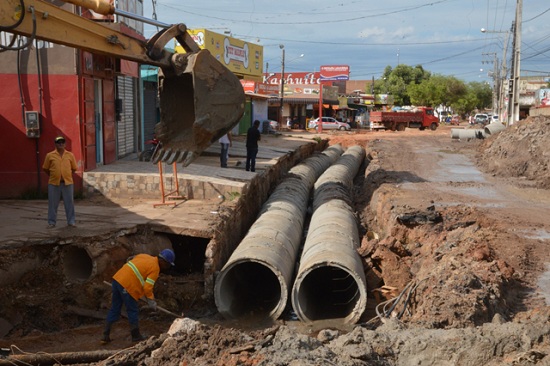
{"x": 197, "y": 107}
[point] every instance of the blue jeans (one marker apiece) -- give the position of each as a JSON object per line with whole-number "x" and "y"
{"x": 54, "y": 196}
{"x": 224, "y": 154}
{"x": 121, "y": 296}
{"x": 251, "y": 159}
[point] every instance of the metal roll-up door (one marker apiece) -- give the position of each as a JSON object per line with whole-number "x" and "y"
{"x": 126, "y": 116}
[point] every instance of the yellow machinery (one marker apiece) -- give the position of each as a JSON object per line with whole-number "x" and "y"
{"x": 200, "y": 99}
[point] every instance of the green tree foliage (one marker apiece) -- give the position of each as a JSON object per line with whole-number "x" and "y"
{"x": 396, "y": 82}
{"x": 415, "y": 86}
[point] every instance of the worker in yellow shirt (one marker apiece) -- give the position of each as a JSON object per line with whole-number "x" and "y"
{"x": 60, "y": 164}
{"x": 135, "y": 280}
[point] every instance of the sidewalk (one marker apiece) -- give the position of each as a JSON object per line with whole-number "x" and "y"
{"x": 24, "y": 222}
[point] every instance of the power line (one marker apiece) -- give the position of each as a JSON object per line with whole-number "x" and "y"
{"x": 264, "y": 22}
{"x": 536, "y": 16}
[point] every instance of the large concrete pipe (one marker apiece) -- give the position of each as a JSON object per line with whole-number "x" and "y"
{"x": 459, "y": 133}
{"x": 494, "y": 128}
{"x": 256, "y": 279}
{"x": 330, "y": 283}
{"x": 82, "y": 262}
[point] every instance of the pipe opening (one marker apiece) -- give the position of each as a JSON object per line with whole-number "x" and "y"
{"x": 327, "y": 292}
{"x": 249, "y": 289}
{"x": 77, "y": 264}
{"x": 190, "y": 253}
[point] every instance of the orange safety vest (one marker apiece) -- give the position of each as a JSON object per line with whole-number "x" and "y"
{"x": 138, "y": 276}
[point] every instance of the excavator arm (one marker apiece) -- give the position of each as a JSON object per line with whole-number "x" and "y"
{"x": 200, "y": 99}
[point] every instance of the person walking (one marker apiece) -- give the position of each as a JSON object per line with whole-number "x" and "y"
{"x": 252, "y": 137}
{"x": 134, "y": 281}
{"x": 226, "y": 142}
{"x": 60, "y": 165}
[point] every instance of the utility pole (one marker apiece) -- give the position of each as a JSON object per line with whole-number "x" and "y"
{"x": 513, "y": 103}
{"x": 503, "y": 76}
{"x": 496, "y": 79}
{"x": 282, "y": 47}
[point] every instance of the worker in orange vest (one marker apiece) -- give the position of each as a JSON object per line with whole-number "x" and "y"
{"x": 134, "y": 281}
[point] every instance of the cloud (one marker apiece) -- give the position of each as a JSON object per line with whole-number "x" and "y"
{"x": 382, "y": 35}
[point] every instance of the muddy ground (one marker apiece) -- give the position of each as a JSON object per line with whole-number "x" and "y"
{"x": 456, "y": 232}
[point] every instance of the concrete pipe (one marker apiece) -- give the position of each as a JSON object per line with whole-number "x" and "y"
{"x": 454, "y": 133}
{"x": 494, "y": 128}
{"x": 255, "y": 281}
{"x": 458, "y": 133}
{"x": 330, "y": 283}
{"x": 83, "y": 262}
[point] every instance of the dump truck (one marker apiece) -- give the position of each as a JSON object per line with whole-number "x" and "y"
{"x": 200, "y": 99}
{"x": 421, "y": 117}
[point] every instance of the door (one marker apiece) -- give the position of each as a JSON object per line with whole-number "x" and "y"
{"x": 98, "y": 119}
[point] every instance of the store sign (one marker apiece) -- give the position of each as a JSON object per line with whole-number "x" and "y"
{"x": 334, "y": 72}
{"x": 292, "y": 78}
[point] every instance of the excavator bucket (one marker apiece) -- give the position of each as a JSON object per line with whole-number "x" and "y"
{"x": 198, "y": 105}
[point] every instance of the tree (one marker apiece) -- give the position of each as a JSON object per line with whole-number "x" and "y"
{"x": 396, "y": 81}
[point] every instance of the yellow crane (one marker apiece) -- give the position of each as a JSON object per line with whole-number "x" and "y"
{"x": 200, "y": 99}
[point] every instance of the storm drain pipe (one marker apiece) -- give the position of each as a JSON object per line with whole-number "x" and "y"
{"x": 494, "y": 128}
{"x": 470, "y": 133}
{"x": 330, "y": 283}
{"x": 255, "y": 281}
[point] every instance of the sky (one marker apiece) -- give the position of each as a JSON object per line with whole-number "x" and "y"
{"x": 444, "y": 36}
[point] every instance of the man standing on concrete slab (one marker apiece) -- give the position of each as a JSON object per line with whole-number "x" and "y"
{"x": 60, "y": 165}
{"x": 252, "y": 137}
{"x": 225, "y": 141}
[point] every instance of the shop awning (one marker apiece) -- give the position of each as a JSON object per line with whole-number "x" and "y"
{"x": 290, "y": 100}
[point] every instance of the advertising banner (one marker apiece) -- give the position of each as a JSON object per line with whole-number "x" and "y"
{"x": 334, "y": 72}
{"x": 242, "y": 58}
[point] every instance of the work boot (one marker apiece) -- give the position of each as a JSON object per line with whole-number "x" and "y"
{"x": 137, "y": 336}
{"x": 106, "y": 332}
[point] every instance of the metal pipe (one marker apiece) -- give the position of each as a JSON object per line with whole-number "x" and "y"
{"x": 256, "y": 279}
{"x": 330, "y": 283}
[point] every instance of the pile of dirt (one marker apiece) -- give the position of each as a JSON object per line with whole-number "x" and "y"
{"x": 521, "y": 151}
{"x": 191, "y": 343}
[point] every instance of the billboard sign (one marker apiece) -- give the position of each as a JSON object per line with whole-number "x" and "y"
{"x": 242, "y": 58}
{"x": 334, "y": 72}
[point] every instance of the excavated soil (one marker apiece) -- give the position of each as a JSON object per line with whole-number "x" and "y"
{"x": 455, "y": 246}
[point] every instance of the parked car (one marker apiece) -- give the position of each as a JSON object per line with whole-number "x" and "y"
{"x": 329, "y": 123}
{"x": 481, "y": 118}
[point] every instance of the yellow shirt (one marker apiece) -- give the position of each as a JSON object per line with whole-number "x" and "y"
{"x": 138, "y": 276}
{"x": 60, "y": 167}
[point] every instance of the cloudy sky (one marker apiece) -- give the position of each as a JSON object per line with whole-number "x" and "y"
{"x": 444, "y": 36}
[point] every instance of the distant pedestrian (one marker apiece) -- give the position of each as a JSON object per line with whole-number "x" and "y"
{"x": 60, "y": 165}
{"x": 226, "y": 142}
{"x": 252, "y": 137}
{"x": 136, "y": 280}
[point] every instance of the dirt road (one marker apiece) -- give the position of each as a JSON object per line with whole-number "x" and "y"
{"x": 449, "y": 224}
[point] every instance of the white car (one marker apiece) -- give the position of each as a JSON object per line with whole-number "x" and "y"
{"x": 329, "y": 123}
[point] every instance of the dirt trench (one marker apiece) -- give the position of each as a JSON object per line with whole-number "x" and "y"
{"x": 468, "y": 283}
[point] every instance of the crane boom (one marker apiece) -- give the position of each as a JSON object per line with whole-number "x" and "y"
{"x": 200, "y": 99}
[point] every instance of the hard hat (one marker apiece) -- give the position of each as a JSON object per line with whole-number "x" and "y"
{"x": 168, "y": 255}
